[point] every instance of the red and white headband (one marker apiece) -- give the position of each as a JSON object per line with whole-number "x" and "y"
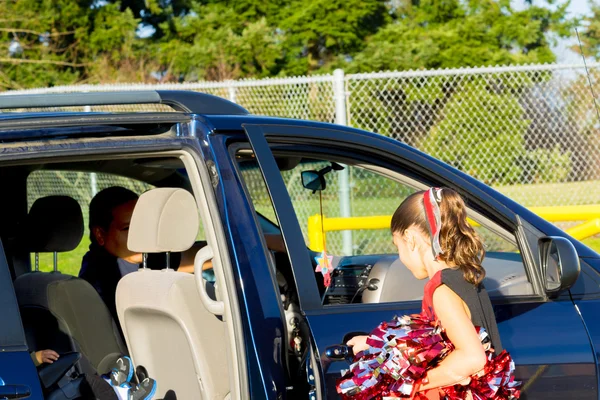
{"x": 431, "y": 200}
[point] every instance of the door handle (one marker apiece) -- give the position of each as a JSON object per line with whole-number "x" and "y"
{"x": 339, "y": 352}
{"x": 10, "y": 392}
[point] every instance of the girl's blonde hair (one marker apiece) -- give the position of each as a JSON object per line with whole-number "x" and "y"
{"x": 460, "y": 243}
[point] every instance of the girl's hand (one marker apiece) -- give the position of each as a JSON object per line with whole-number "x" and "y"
{"x": 358, "y": 343}
{"x": 46, "y": 356}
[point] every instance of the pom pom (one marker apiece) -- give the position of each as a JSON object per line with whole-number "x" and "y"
{"x": 399, "y": 354}
{"x": 404, "y": 349}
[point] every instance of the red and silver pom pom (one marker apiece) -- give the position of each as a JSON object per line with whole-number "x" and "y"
{"x": 401, "y": 352}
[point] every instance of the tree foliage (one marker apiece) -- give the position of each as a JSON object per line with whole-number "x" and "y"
{"x": 493, "y": 130}
{"x": 53, "y": 42}
{"x": 449, "y": 34}
{"x": 483, "y": 132}
{"x": 589, "y": 33}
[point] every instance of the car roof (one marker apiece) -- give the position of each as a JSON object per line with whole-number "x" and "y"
{"x": 184, "y": 101}
{"x": 21, "y": 115}
{"x": 221, "y": 114}
{"x": 236, "y": 122}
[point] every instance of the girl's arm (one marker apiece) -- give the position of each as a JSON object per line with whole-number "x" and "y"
{"x": 468, "y": 356}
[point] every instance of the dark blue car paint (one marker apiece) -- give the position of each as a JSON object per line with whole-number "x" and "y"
{"x": 588, "y": 303}
{"x": 257, "y": 291}
{"x": 16, "y": 368}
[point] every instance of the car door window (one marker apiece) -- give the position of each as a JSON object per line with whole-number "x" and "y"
{"x": 82, "y": 186}
{"x": 371, "y": 272}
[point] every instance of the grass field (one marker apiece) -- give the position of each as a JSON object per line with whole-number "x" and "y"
{"x": 69, "y": 262}
{"x": 553, "y": 194}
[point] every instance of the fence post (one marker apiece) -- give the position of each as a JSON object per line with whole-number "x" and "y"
{"x": 339, "y": 93}
{"x": 93, "y": 183}
{"x": 231, "y": 90}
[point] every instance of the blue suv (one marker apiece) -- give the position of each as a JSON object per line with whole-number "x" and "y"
{"x": 261, "y": 324}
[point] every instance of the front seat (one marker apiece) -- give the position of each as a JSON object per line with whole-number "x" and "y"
{"x": 62, "y": 312}
{"x": 166, "y": 326}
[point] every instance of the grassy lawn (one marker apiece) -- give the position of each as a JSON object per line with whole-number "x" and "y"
{"x": 69, "y": 262}
{"x": 553, "y": 194}
{"x": 593, "y": 242}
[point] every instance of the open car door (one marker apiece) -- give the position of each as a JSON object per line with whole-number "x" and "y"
{"x": 546, "y": 337}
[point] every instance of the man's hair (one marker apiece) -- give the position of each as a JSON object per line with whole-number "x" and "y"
{"x": 103, "y": 204}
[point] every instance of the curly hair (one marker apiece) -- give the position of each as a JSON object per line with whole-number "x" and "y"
{"x": 460, "y": 243}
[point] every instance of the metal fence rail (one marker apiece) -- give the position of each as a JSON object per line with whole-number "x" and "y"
{"x": 318, "y": 227}
{"x": 530, "y": 131}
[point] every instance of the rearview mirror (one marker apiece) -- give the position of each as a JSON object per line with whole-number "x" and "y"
{"x": 313, "y": 180}
{"x": 560, "y": 264}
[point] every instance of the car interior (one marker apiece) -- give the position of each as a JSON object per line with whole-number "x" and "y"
{"x": 382, "y": 278}
{"x": 161, "y": 316}
{"x": 64, "y": 313}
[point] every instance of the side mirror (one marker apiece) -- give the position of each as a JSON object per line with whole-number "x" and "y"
{"x": 560, "y": 264}
{"x": 313, "y": 180}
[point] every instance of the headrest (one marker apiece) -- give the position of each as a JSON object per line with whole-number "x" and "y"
{"x": 54, "y": 223}
{"x": 164, "y": 219}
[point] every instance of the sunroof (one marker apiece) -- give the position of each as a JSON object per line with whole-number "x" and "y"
{"x": 86, "y": 124}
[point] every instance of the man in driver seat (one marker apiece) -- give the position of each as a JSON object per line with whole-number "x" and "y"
{"x": 108, "y": 258}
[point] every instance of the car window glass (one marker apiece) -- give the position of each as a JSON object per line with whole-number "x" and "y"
{"x": 371, "y": 254}
{"x": 255, "y": 185}
{"x": 82, "y": 186}
{"x": 370, "y": 195}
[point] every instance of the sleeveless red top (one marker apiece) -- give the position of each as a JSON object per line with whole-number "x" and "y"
{"x": 474, "y": 296}
{"x": 427, "y": 303}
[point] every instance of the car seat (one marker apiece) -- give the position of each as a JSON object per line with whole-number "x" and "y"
{"x": 59, "y": 311}
{"x": 166, "y": 326}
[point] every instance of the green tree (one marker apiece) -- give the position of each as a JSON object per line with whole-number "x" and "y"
{"x": 481, "y": 133}
{"x": 157, "y": 14}
{"x": 213, "y": 43}
{"x": 320, "y": 33}
{"x": 39, "y": 42}
{"x": 447, "y": 34}
{"x": 589, "y": 33}
{"x": 57, "y": 42}
{"x": 247, "y": 38}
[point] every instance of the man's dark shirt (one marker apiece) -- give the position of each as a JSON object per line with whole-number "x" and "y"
{"x": 101, "y": 270}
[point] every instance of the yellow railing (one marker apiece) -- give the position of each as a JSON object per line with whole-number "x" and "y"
{"x": 588, "y": 213}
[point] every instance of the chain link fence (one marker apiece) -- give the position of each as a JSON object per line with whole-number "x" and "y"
{"x": 532, "y": 132}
